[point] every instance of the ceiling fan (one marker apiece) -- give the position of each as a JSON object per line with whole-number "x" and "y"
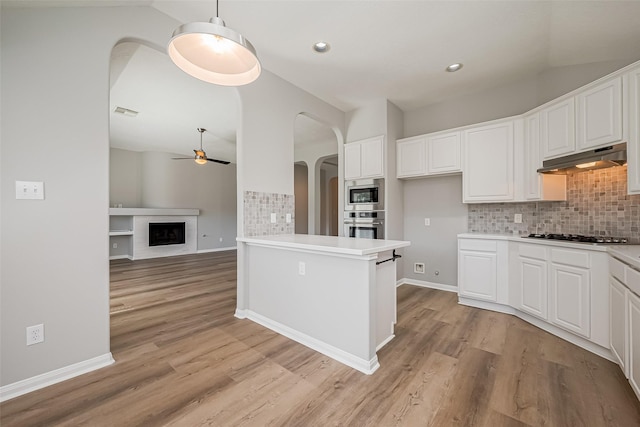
{"x": 201, "y": 157}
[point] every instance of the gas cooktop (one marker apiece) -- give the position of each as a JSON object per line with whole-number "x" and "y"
{"x": 606, "y": 240}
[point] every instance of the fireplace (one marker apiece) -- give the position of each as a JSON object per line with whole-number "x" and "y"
{"x": 166, "y": 233}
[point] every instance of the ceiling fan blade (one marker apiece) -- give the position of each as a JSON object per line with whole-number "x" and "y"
{"x": 223, "y": 162}
{"x": 182, "y": 158}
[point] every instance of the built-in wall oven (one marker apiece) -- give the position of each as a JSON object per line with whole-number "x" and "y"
{"x": 364, "y": 195}
{"x": 364, "y": 224}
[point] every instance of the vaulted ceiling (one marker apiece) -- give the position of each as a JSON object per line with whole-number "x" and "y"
{"x": 394, "y": 49}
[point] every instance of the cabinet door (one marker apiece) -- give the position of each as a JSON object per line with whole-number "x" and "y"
{"x": 352, "y": 169}
{"x": 477, "y": 275}
{"x": 532, "y": 161}
{"x": 633, "y": 146}
{"x": 634, "y": 342}
{"x": 372, "y": 158}
{"x": 411, "y": 157}
{"x": 570, "y": 298}
{"x": 488, "y": 163}
{"x": 532, "y": 279}
{"x": 600, "y": 115}
{"x": 557, "y": 126}
{"x": 618, "y": 331}
{"x": 443, "y": 153}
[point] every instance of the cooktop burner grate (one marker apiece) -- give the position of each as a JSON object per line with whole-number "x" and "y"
{"x": 580, "y": 238}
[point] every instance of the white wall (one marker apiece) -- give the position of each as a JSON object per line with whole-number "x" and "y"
{"x": 165, "y": 183}
{"x": 440, "y": 199}
{"x": 55, "y": 128}
{"x": 125, "y": 179}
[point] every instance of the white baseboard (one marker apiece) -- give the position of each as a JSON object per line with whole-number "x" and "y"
{"x": 240, "y": 314}
{"x": 19, "y": 388}
{"x": 432, "y": 285}
{"x": 365, "y": 366}
{"x": 204, "y": 251}
{"x": 129, "y": 257}
{"x": 554, "y": 330}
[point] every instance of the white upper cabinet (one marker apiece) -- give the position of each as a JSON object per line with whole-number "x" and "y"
{"x": 600, "y": 115}
{"x": 411, "y": 157}
{"x": 557, "y": 126}
{"x": 432, "y": 154}
{"x": 443, "y": 153}
{"x": 536, "y": 186}
{"x": 364, "y": 159}
{"x": 488, "y": 163}
{"x": 352, "y": 162}
{"x": 632, "y": 79}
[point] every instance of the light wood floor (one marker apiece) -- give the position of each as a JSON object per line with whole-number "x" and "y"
{"x": 182, "y": 359}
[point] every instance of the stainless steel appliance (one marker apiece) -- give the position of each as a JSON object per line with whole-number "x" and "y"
{"x": 364, "y": 195}
{"x": 605, "y": 157}
{"x": 604, "y": 240}
{"x": 364, "y": 224}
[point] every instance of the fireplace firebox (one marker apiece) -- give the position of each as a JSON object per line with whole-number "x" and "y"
{"x": 166, "y": 233}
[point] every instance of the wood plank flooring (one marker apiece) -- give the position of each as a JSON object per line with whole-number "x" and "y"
{"x": 182, "y": 359}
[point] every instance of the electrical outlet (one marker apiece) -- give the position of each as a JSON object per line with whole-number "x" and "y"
{"x": 517, "y": 218}
{"x": 35, "y": 334}
{"x": 221, "y": 239}
{"x": 273, "y": 218}
{"x": 115, "y": 246}
{"x": 302, "y": 268}
{"x": 427, "y": 222}
{"x": 288, "y": 218}
{"x": 418, "y": 267}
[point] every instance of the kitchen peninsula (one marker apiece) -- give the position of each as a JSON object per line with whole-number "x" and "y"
{"x": 336, "y": 295}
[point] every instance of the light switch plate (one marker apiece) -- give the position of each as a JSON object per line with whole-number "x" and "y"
{"x": 273, "y": 218}
{"x": 29, "y": 190}
{"x": 288, "y": 218}
{"x": 427, "y": 222}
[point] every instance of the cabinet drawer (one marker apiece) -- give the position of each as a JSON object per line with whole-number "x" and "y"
{"x": 616, "y": 269}
{"x": 478, "y": 245}
{"x": 632, "y": 279}
{"x": 570, "y": 257}
{"x": 533, "y": 251}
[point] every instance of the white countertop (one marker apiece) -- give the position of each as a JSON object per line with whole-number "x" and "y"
{"x": 331, "y": 244}
{"x": 629, "y": 254}
{"x": 559, "y": 243}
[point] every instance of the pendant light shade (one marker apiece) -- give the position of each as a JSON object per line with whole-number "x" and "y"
{"x": 211, "y": 52}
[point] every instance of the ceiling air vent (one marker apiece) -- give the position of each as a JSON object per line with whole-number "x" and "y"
{"x": 125, "y": 112}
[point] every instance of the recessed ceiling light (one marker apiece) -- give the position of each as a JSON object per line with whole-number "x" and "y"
{"x": 453, "y": 67}
{"x": 321, "y": 47}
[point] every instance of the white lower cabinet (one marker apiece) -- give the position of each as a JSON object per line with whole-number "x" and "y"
{"x": 531, "y": 278}
{"x": 563, "y": 289}
{"x": 634, "y": 342}
{"x": 624, "y": 320}
{"x": 477, "y": 263}
{"x": 618, "y": 325}
{"x": 570, "y": 296}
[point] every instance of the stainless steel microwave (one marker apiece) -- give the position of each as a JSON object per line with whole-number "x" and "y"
{"x": 364, "y": 195}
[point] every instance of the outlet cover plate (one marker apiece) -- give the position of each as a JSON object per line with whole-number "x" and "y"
{"x": 35, "y": 334}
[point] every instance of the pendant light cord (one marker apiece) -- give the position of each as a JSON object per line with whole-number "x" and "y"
{"x": 217, "y": 9}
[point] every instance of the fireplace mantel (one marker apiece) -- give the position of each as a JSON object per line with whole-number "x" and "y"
{"x": 152, "y": 211}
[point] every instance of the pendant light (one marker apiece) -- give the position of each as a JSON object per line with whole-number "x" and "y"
{"x": 211, "y": 52}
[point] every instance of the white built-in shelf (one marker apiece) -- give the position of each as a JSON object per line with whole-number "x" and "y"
{"x": 120, "y": 232}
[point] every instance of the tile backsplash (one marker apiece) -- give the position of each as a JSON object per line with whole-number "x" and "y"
{"x": 597, "y": 204}
{"x": 258, "y": 208}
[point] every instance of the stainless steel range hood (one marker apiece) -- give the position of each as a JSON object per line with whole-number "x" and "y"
{"x": 605, "y": 157}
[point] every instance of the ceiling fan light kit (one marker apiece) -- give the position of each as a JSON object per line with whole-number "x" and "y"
{"x": 201, "y": 157}
{"x": 211, "y": 52}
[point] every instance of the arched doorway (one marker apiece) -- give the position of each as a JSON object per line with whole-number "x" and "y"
{"x": 316, "y": 146}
